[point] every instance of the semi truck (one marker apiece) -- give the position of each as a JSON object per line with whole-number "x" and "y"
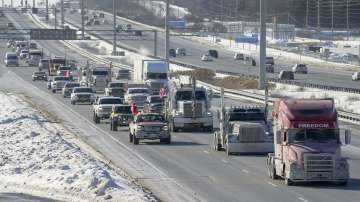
{"x": 153, "y": 73}
{"x": 307, "y": 142}
{"x": 243, "y": 129}
{"x": 188, "y": 106}
{"x": 97, "y": 78}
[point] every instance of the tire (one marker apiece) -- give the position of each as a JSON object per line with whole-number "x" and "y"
{"x": 166, "y": 140}
{"x": 288, "y": 182}
{"x": 73, "y": 102}
{"x": 343, "y": 183}
{"x": 130, "y": 137}
{"x": 53, "y": 91}
{"x": 136, "y": 140}
{"x": 96, "y": 119}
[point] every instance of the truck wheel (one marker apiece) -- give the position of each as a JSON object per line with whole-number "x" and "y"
{"x": 228, "y": 151}
{"x": 288, "y": 182}
{"x": 166, "y": 140}
{"x": 216, "y": 144}
{"x": 208, "y": 129}
{"x": 73, "y": 102}
{"x": 130, "y": 138}
{"x": 136, "y": 140}
{"x": 96, "y": 118}
{"x": 343, "y": 183}
{"x": 53, "y": 91}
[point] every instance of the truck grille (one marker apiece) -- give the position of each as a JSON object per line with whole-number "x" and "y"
{"x": 82, "y": 96}
{"x": 188, "y": 110}
{"x": 318, "y": 162}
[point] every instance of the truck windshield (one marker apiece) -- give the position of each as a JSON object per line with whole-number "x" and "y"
{"x": 123, "y": 110}
{"x": 110, "y": 101}
{"x": 150, "y": 118}
{"x": 138, "y": 90}
{"x": 116, "y": 85}
{"x": 188, "y": 95}
{"x": 58, "y": 61}
{"x": 83, "y": 90}
{"x": 156, "y": 75}
{"x": 99, "y": 73}
{"x": 61, "y": 78}
{"x": 314, "y": 135}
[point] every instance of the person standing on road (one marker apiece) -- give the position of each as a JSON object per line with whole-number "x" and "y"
{"x": 134, "y": 109}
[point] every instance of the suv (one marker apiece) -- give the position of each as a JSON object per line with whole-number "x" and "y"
{"x": 68, "y": 88}
{"x": 137, "y": 96}
{"x": 149, "y": 126}
{"x": 300, "y": 69}
{"x": 172, "y": 52}
{"x": 154, "y": 104}
{"x": 120, "y": 116}
{"x": 286, "y": 75}
{"x": 58, "y": 83}
{"x": 122, "y": 74}
{"x": 103, "y": 106}
{"x": 11, "y": 59}
{"x": 181, "y": 51}
{"x": 82, "y": 94}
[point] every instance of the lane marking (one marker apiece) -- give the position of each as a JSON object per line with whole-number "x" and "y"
{"x": 272, "y": 184}
{"x": 302, "y": 199}
{"x": 206, "y": 152}
{"x": 245, "y": 171}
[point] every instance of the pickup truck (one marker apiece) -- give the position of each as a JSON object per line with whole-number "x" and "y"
{"x": 103, "y": 106}
{"x": 149, "y": 126}
{"x": 116, "y": 89}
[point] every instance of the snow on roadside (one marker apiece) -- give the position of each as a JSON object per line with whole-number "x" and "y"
{"x": 37, "y": 157}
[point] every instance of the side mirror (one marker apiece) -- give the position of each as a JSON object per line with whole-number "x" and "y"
{"x": 347, "y": 136}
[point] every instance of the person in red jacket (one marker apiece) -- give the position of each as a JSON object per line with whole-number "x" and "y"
{"x": 134, "y": 109}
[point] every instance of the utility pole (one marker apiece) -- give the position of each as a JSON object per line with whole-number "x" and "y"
{"x": 82, "y": 20}
{"x": 167, "y": 31}
{"x": 318, "y": 18}
{"x": 262, "y": 72}
{"x": 62, "y": 14}
{"x": 33, "y": 4}
{"x": 12, "y": 4}
{"x": 332, "y": 20}
{"x": 47, "y": 10}
{"x": 155, "y": 43}
{"x": 55, "y": 15}
{"x": 114, "y": 15}
{"x": 307, "y": 15}
{"x": 347, "y": 21}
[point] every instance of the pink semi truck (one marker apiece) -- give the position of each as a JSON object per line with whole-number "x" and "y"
{"x": 307, "y": 144}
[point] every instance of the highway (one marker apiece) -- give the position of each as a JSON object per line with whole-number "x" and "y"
{"x": 226, "y": 63}
{"x": 187, "y": 170}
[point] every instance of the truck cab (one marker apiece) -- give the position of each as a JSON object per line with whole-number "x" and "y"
{"x": 186, "y": 111}
{"x": 154, "y": 73}
{"x": 307, "y": 142}
{"x": 99, "y": 78}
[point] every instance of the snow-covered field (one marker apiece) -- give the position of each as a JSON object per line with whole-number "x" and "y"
{"x": 41, "y": 158}
{"x": 159, "y": 7}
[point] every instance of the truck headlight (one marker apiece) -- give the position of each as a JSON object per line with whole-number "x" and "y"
{"x": 178, "y": 113}
{"x": 139, "y": 127}
{"x": 209, "y": 113}
{"x": 165, "y": 128}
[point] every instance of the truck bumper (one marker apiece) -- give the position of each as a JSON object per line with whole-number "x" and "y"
{"x": 181, "y": 122}
{"x": 297, "y": 174}
{"x": 151, "y": 135}
{"x": 252, "y": 147}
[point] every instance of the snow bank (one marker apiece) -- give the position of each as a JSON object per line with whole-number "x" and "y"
{"x": 37, "y": 157}
{"x": 158, "y": 8}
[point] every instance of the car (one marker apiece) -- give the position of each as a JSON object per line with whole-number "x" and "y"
{"x": 149, "y": 126}
{"x": 11, "y": 59}
{"x": 172, "y": 52}
{"x": 39, "y": 75}
{"x": 61, "y": 70}
{"x": 355, "y": 76}
{"x": 119, "y": 28}
{"x": 138, "y": 33}
{"x": 34, "y": 57}
{"x": 88, "y": 23}
{"x": 206, "y": 58}
{"x": 33, "y": 45}
{"x": 96, "y": 22}
{"x": 68, "y": 88}
{"x": 154, "y": 104}
{"x": 286, "y": 75}
{"x": 82, "y": 95}
{"x": 122, "y": 74}
{"x": 24, "y": 54}
{"x": 10, "y": 25}
{"x": 270, "y": 68}
{"x": 128, "y": 28}
{"x": 43, "y": 64}
{"x": 102, "y": 107}
{"x": 239, "y": 56}
{"x": 105, "y": 22}
{"x": 213, "y": 53}
{"x": 116, "y": 89}
{"x": 181, "y": 52}
{"x": 58, "y": 82}
{"x": 121, "y": 115}
{"x": 300, "y": 69}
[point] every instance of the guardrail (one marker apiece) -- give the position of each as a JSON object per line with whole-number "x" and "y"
{"x": 236, "y": 94}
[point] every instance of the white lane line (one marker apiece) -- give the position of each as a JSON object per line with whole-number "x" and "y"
{"x": 206, "y": 152}
{"x": 302, "y": 199}
{"x": 225, "y": 161}
{"x": 272, "y": 184}
{"x": 245, "y": 171}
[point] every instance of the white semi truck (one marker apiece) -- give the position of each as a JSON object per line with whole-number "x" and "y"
{"x": 153, "y": 73}
{"x": 97, "y": 78}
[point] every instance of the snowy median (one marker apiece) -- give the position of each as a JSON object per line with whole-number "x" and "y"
{"x": 39, "y": 157}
